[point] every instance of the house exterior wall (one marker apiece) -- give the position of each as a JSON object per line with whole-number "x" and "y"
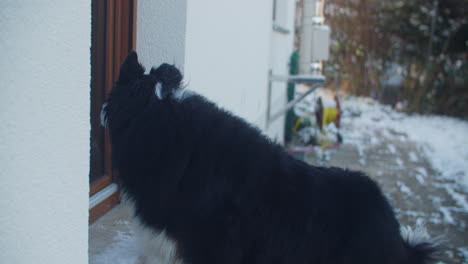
{"x": 227, "y": 54}
{"x": 229, "y": 51}
{"x": 161, "y": 32}
{"x": 44, "y": 131}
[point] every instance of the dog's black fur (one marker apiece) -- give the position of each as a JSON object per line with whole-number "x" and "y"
{"x": 227, "y": 194}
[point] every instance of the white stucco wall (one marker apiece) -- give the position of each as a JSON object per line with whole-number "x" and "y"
{"x": 161, "y": 32}
{"x": 227, "y": 53}
{"x": 44, "y": 131}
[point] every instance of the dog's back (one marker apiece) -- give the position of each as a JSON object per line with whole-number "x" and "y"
{"x": 224, "y": 193}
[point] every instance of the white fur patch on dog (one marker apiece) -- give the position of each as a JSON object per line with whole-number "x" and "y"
{"x": 419, "y": 235}
{"x": 154, "y": 246}
{"x": 414, "y": 236}
{"x": 103, "y": 116}
{"x": 158, "y": 90}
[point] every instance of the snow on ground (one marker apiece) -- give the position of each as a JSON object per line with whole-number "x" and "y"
{"x": 112, "y": 239}
{"x": 404, "y": 189}
{"x": 444, "y": 140}
{"x": 413, "y": 157}
{"x": 420, "y": 162}
{"x": 123, "y": 249}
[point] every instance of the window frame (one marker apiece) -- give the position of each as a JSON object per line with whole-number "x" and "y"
{"x": 280, "y": 16}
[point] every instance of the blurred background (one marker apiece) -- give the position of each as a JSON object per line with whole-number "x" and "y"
{"x": 370, "y": 85}
{"x": 412, "y": 52}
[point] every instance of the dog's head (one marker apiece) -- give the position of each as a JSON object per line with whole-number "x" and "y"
{"x": 134, "y": 91}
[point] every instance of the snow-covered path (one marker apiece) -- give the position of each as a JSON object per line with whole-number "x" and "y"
{"x": 420, "y": 162}
{"x": 442, "y": 140}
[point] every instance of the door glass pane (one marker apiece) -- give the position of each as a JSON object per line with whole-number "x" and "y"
{"x": 98, "y": 33}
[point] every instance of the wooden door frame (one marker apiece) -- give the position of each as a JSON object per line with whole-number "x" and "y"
{"x": 120, "y": 38}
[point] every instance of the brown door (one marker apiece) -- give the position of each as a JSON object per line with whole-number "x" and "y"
{"x": 113, "y": 35}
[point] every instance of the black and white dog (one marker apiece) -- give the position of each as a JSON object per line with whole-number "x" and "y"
{"x": 212, "y": 189}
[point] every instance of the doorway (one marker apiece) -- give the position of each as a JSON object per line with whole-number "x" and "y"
{"x": 113, "y": 35}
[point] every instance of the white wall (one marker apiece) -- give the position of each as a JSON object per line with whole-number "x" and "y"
{"x": 230, "y": 47}
{"x": 161, "y": 32}
{"x": 44, "y": 131}
{"x": 227, "y": 53}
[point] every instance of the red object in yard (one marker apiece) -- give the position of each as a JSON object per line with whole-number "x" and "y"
{"x": 311, "y": 148}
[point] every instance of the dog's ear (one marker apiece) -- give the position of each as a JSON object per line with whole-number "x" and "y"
{"x": 168, "y": 77}
{"x": 131, "y": 69}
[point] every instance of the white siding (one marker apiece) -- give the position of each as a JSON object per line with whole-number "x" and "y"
{"x": 227, "y": 51}
{"x": 44, "y": 131}
{"x": 161, "y": 32}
